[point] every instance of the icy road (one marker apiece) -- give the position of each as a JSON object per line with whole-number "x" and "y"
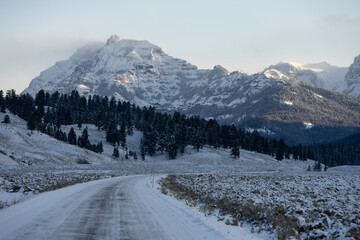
{"x": 117, "y": 208}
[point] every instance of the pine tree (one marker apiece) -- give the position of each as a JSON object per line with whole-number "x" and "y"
{"x": 58, "y": 123}
{"x": 122, "y": 135}
{"x": 150, "y": 141}
{"x": 266, "y": 147}
{"x": 68, "y": 117}
{"x": 162, "y": 143}
{"x": 41, "y": 110}
{"x": 317, "y": 166}
{"x": 112, "y": 134}
{"x": 84, "y": 139}
{"x": 280, "y": 150}
{"x": 3, "y": 108}
{"x": 100, "y": 119}
{"x": 235, "y": 151}
{"x": 40, "y": 98}
{"x": 116, "y": 152}
{"x": 31, "y": 123}
{"x": 72, "y": 136}
{"x": 6, "y": 119}
{"x": 295, "y": 153}
{"x": 197, "y": 141}
{"x": 142, "y": 149}
{"x": 287, "y": 154}
{"x": 60, "y": 135}
{"x": 171, "y": 147}
{"x": 79, "y": 124}
{"x": 99, "y": 147}
{"x": 128, "y": 122}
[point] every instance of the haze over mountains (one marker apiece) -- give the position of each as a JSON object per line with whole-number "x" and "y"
{"x": 281, "y": 101}
{"x": 320, "y": 74}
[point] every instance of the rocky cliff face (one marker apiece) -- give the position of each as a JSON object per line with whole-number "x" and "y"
{"x": 352, "y": 79}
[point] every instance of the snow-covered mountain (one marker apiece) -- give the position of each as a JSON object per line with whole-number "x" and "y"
{"x": 320, "y": 74}
{"x": 132, "y": 70}
{"x": 352, "y": 79}
{"x": 273, "y": 101}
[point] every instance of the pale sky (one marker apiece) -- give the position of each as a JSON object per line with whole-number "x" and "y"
{"x": 239, "y": 35}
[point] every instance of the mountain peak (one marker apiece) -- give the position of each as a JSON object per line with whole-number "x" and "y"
{"x": 221, "y": 69}
{"x": 357, "y": 60}
{"x": 113, "y": 39}
{"x": 286, "y": 67}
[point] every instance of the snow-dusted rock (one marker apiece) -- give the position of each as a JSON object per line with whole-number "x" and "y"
{"x": 320, "y": 74}
{"x": 352, "y": 79}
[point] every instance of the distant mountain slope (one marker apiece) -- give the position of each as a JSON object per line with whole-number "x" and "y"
{"x": 319, "y": 74}
{"x": 352, "y": 79}
{"x": 274, "y": 100}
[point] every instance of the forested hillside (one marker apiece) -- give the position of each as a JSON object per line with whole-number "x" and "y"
{"x": 162, "y": 132}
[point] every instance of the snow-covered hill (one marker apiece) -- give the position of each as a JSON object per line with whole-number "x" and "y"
{"x": 21, "y": 147}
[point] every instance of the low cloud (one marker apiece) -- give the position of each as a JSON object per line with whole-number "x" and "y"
{"x": 339, "y": 20}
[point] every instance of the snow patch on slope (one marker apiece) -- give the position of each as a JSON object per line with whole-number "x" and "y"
{"x": 275, "y": 74}
{"x": 308, "y": 125}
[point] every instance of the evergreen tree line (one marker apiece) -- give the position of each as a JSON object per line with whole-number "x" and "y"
{"x": 162, "y": 132}
{"x": 33, "y": 111}
{"x": 337, "y": 154}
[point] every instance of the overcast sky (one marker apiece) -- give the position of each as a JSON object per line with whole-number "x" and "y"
{"x": 239, "y": 35}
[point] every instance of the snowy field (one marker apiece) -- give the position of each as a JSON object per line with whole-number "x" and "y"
{"x": 317, "y": 204}
{"x": 311, "y": 206}
{"x": 21, "y": 181}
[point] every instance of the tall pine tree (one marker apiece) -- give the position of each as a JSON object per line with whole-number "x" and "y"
{"x": 83, "y": 140}
{"x": 280, "y": 150}
{"x": 72, "y": 136}
{"x": 116, "y": 152}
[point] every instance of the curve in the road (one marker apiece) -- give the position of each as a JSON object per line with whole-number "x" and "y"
{"x": 117, "y": 208}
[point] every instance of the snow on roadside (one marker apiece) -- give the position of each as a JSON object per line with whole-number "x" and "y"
{"x": 312, "y": 206}
{"x": 227, "y": 231}
{"x": 217, "y": 161}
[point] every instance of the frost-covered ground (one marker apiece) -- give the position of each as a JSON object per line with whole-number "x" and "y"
{"x": 305, "y": 206}
{"x": 21, "y": 181}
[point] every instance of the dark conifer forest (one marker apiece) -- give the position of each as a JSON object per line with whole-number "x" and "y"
{"x": 162, "y": 132}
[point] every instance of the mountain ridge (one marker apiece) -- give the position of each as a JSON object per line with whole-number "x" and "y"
{"x": 320, "y": 74}
{"x": 140, "y": 72}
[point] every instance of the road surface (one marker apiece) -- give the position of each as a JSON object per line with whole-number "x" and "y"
{"x": 117, "y": 208}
